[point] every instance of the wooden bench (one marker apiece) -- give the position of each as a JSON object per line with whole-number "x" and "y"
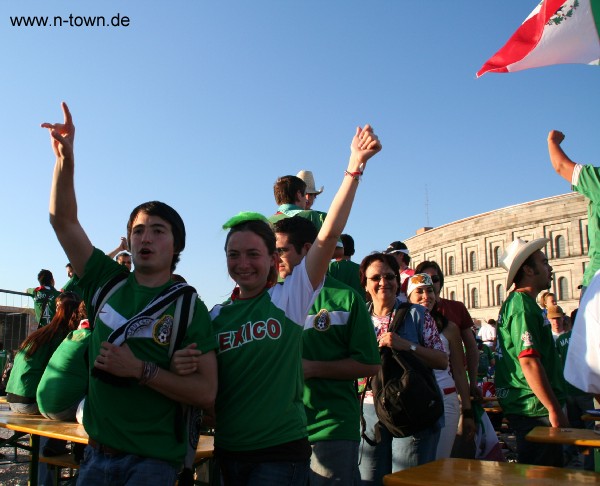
{"x": 472, "y": 472}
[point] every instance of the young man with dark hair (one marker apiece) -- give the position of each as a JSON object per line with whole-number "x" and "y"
{"x": 132, "y": 413}
{"x": 44, "y": 297}
{"x": 289, "y": 194}
{"x": 339, "y": 346}
{"x": 529, "y": 379}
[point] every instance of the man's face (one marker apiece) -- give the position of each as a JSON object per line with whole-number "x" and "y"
{"x": 288, "y": 256}
{"x": 152, "y": 244}
{"x": 310, "y": 200}
{"x": 69, "y": 271}
{"x": 542, "y": 272}
{"x": 124, "y": 260}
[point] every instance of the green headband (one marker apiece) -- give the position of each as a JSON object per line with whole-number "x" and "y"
{"x": 243, "y": 217}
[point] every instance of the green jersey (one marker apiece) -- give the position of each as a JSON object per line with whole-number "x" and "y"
{"x": 259, "y": 400}
{"x": 522, "y": 332}
{"x": 65, "y": 380}
{"x": 71, "y": 286}
{"x": 586, "y": 181}
{"x": 288, "y": 210}
{"x": 27, "y": 372}
{"x": 44, "y": 302}
{"x": 338, "y": 327}
{"x": 136, "y": 419}
{"x": 347, "y": 271}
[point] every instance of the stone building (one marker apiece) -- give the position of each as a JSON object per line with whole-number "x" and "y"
{"x": 468, "y": 250}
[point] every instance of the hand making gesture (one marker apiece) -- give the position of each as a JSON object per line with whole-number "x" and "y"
{"x": 62, "y": 135}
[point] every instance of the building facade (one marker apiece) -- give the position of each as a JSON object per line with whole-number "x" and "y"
{"x": 468, "y": 251}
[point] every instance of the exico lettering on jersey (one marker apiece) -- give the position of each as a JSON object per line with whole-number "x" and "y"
{"x": 249, "y": 332}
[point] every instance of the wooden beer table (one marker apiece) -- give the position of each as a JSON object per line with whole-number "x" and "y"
{"x": 473, "y": 472}
{"x": 37, "y": 426}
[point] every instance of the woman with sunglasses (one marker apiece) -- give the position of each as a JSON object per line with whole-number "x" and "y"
{"x": 453, "y": 380}
{"x": 35, "y": 352}
{"x": 380, "y": 276}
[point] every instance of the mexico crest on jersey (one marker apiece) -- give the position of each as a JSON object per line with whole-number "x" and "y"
{"x": 322, "y": 320}
{"x": 527, "y": 339}
{"x": 162, "y": 330}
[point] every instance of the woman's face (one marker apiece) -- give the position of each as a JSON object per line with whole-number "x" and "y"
{"x": 424, "y": 296}
{"x": 382, "y": 284}
{"x": 249, "y": 262}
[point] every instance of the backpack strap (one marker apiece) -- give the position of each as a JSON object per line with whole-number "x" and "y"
{"x": 103, "y": 294}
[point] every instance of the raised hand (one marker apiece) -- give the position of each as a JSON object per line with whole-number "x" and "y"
{"x": 365, "y": 144}
{"x": 556, "y": 137}
{"x": 62, "y": 135}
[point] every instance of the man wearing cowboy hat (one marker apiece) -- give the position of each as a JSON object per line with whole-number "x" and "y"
{"x": 311, "y": 192}
{"x": 529, "y": 381}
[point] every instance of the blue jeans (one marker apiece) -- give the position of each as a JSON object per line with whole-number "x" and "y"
{"x": 237, "y": 473}
{"x": 334, "y": 461}
{"x": 534, "y": 453}
{"x": 393, "y": 454}
{"x": 101, "y": 469}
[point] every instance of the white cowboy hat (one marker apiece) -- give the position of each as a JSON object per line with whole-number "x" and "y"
{"x": 308, "y": 178}
{"x": 516, "y": 253}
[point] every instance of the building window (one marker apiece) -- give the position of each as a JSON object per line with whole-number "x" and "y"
{"x": 474, "y": 298}
{"x": 499, "y": 294}
{"x": 560, "y": 247}
{"x": 472, "y": 261}
{"x": 451, "y": 265}
{"x": 496, "y": 256}
{"x": 452, "y": 295}
{"x": 563, "y": 289}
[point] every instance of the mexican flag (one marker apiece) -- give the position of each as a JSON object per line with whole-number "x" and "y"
{"x": 556, "y": 32}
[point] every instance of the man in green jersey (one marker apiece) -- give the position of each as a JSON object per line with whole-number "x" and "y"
{"x": 338, "y": 346}
{"x": 585, "y": 179}
{"x": 44, "y": 298}
{"x": 289, "y": 192}
{"x": 132, "y": 412}
{"x": 529, "y": 380}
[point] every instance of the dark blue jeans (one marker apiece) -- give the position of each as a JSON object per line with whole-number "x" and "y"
{"x": 238, "y": 473}
{"x": 535, "y": 453}
{"x": 102, "y": 469}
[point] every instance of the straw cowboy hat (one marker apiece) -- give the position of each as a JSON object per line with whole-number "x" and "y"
{"x": 308, "y": 178}
{"x": 516, "y": 253}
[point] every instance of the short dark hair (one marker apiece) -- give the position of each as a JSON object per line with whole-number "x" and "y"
{"x": 298, "y": 229}
{"x": 348, "y": 243}
{"x": 166, "y": 212}
{"x": 45, "y": 277}
{"x": 286, "y": 188}
{"x": 389, "y": 260}
{"x": 520, "y": 272}
{"x": 421, "y": 267}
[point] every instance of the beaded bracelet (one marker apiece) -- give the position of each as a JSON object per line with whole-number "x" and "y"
{"x": 149, "y": 372}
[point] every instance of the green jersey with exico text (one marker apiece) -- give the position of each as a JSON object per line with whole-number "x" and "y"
{"x": 137, "y": 419}
{"x": 522, "y": 332}
{"x": 337, "y": 327}
{"x": 259, "y": 401}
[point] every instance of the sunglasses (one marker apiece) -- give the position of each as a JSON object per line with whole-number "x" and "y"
{"x": 386, "y": 276}
{"x": 435, "y": 278}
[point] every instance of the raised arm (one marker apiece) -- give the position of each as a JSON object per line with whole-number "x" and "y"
{"x": 364, "y": 145}
{"x": 561, "y": 163}
{"x": 63, "y": 204}
{"x": 122, "y": 247}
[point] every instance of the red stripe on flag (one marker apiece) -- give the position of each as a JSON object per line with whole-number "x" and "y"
{"x": 523, "y": 41}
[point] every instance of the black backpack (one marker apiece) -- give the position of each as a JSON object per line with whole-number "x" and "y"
{"x": 406, "y": 395}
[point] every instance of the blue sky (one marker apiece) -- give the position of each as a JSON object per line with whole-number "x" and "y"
{"x": 203, "y": 104}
